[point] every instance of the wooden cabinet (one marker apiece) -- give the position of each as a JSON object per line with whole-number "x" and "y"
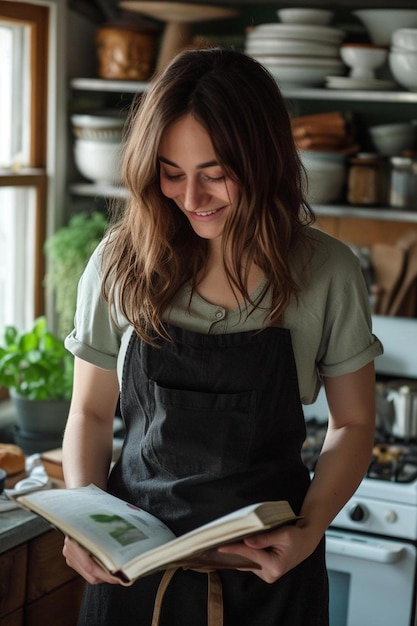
{"x": 37, "y": 588}
{"x": 13, "y": 568}
{"x": 60, "y": 606}
{"x": 364, "y": 231}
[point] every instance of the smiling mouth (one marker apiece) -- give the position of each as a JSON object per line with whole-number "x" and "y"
{"x": 207, "y": 213}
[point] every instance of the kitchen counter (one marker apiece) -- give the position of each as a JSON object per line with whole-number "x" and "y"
{"x": 49, "y": 592}
{"x": 19, "y": 526}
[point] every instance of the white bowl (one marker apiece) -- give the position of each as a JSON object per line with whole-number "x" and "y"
{"x": 300, "y": 71}
{"x": 301, "y": 61}
{"x": 319, "y": 17}
{"x": 98, "y": 134}
{"x": 98, "y": 126}
{"x": 393, "y": 139}
{"x": 400, "y": 49}
{"x": 98, "y": 161}
{"x": 326, "y": 176}
{"x": 363, "y": 59}
{"x": 98, "y": 120}
{"x": 317, "y": 156}
{"x": 292, "y": 47}
{"x": 381, "y": 23}
{"x": 323, "y": 34}
{"x": 403, "y": 67}
{"x": 404, "y": 38}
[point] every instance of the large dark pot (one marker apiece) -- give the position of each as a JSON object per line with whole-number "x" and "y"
{"x": 40, "y": 424}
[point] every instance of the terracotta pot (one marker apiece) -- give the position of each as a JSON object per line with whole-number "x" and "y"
{"x": 125, "y": 52}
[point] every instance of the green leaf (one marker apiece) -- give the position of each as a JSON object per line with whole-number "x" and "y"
{"x": 67, "y": 252}
{"x": 36, "y": 364}
{"x": 10, "y": 335}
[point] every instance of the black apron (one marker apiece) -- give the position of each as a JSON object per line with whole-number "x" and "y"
{"x": 213, "y": 423}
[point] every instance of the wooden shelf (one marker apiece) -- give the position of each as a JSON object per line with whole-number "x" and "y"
{"x": 95, "y": 190}
{"x": 351, "y": 95}
{"x": 328, "y": 210}
{"x": 100, "y": 84}
{"x": 387, "y": 214}
{"x": 319, "y": 93}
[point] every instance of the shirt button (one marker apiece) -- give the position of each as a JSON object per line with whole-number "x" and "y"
{"x": 219, "y": 314}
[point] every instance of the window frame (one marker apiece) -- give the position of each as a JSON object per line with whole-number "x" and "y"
{"x": 37, "y": 18}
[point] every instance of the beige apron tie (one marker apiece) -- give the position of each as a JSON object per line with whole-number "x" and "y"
{"x": 214, "y": 597}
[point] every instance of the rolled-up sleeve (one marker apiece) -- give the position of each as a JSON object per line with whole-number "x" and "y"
{"x": 98, "y": 330}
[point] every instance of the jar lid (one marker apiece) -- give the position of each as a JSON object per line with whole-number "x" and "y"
{"x": 399, "y": 161}
{"x": 367, "y": 157}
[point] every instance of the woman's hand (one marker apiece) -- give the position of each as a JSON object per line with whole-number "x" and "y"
{"x": 78, "y": 559}
{"x": 276, "y": 552}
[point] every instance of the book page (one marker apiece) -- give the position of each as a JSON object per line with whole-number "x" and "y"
{"x": 129, "y": 540}
{"x": 95, "y": 518}
{"x": 187, "y": 548}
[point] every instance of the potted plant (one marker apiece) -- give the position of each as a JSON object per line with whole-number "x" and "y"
{"x": 38, "y": 371}
{"x": 67, "y": 252}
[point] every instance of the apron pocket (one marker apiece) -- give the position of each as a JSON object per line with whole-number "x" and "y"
{"x": 193, "y": 432}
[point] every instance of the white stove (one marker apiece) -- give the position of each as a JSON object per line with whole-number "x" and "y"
{"x": 381, "y": 508}
{"x": 371, "y": 546}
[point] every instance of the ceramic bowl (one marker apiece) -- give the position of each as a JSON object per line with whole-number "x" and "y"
{"x": 290, "y": 47}
{"x": 393, "y": 139}
{"x": 303, "y": 32}
{"x": 99, "y": 127}
{"x": 381, "y": 23}
{"x": 363, "y": 59}
{"x": 98, "y": 161}
{"x": 326, "y": 176}
{"x": 404, "y": 38}
{"x": 403, "y": 66}
{"x": 301, "y": 71}
{"x": 319, "y": 17}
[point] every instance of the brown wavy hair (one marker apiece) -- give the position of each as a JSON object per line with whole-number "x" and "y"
{"x": 152, "y": 251}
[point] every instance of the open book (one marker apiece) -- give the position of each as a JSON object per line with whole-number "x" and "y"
{"x": 129, "y": 542}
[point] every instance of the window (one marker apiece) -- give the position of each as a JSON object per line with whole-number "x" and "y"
{"x": 23, "y": 114}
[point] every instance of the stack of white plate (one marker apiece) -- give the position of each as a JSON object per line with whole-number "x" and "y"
{"x": 299, "y": 55}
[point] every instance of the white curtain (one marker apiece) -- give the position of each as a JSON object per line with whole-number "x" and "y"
{"x": 17, "y": 250}
{"x": 17, "y": 204}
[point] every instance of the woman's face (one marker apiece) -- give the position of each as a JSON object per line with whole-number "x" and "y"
{"x": 191, "y": 176}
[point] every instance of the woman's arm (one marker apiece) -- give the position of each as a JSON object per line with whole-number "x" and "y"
{"x": 343, "y": 462}
{"x": 87, "y": 448}
{"x": 88, "y": 438}
{"x": 347, "y": 448}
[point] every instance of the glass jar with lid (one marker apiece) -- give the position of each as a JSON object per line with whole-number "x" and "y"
{"x": 367, "y": 179}
{"x": 403, "y": 183}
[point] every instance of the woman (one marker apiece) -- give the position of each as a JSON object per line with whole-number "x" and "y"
{"x": 224, "y": 311}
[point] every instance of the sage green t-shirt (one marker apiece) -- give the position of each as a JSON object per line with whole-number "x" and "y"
{"x": 330, "y": 322}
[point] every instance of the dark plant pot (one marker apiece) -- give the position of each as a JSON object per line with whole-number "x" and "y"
{"x": 34, "y": 443}
{"x": 45, "y": 416}
{"x": 40, "y": 424}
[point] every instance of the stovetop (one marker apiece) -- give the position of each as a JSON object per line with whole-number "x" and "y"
{"x": 385, "y": 502}
{"x": 392, "y": 460}
{"x": 392, "y": 469}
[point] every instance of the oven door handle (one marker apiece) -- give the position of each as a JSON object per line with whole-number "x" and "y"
{"x": 380, "y": 552}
